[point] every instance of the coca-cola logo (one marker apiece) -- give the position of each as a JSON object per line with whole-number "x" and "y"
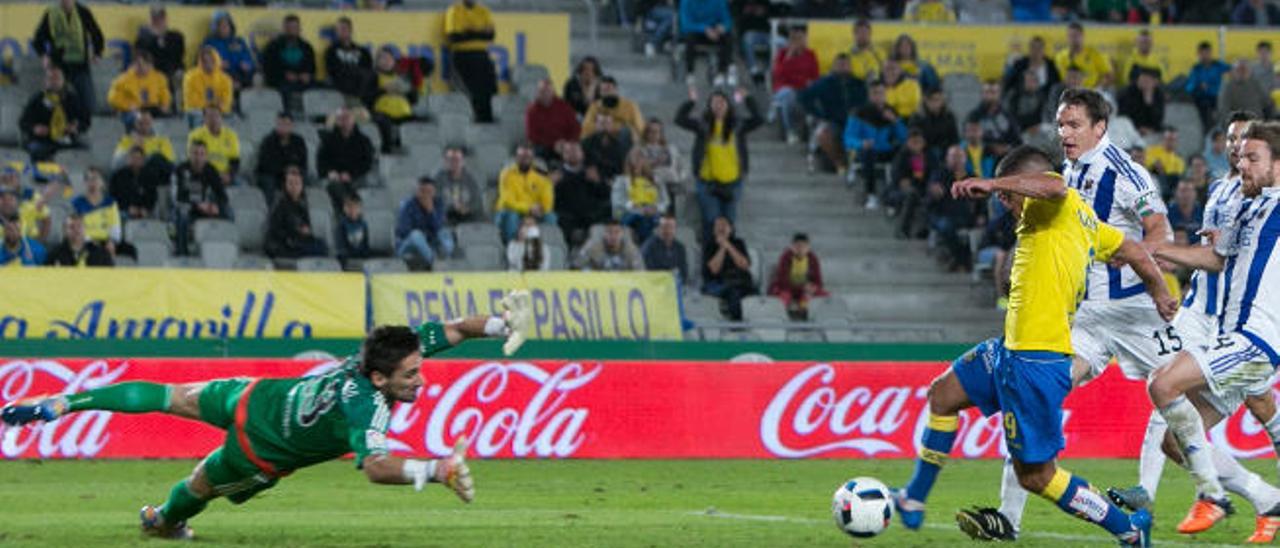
{"x": 1242, "y": 435}
{"x": 811, "y": 415}
{"x": 79, "y": 435}
{"x": 479, "y": 405}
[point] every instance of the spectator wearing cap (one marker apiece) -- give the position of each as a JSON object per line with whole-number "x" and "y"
{"x": 523, "y": 190}
{"x": 1204, "y": 82}
{"x": 420, "y": 225}
{"x": 830, "y": 100}
{"x": 16, "y": 248}
{"x": 463, "y": 200}
{"x": 794, "y": 68}
{"x": 610, "y": 251}
{"x": 206, "y": 85}
{"x": 582, "y": 195}
{"x": 1143, "y": 102}
{"x": 289, "y": 62}
{"x": 1143, "y": 59}
{"x": 70, "y": 39}
{"x": 549, "y": 120}
{"x": 140, "y": 88}
{"x": 797, "y": 278}
{"x": 76, "y": 250}
{"x": 289, "y": 234}
{"x": 468, "y": 31}
{"x": 708, "y": 23}
{"x": 135, "y": 185}
{"x": 279, "y": 149}
{"x": 348, "y": 65}
{"x": 168, "y": 48}
{"x": 624, "y": 112}
{"x": 345, "y": 156}
{"x": 51, "y": 119}
{"x": 663, "y": 252}
{"x": 221, "y": 142}
{"x": 1095, "y": 66}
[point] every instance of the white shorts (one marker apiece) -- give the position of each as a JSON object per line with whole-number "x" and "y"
{"x": 1134, "y": 334}
{"x": 1233, "y": 367}
{"x": 1200, "y": 331}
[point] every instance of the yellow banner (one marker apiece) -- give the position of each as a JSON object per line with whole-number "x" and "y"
{"x": 566, "y": 306}
{"x": 521, "y": 38}
{"x": 983, "y": 49}
{"x": 179, "y": 304}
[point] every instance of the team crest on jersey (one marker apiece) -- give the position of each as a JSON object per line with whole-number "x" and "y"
{"x": 1088, "y": 185}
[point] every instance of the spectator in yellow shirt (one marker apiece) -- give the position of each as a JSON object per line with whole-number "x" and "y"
{"x": 1142, "y": 58}
{"x": 143, "y": 136}
{"x": 522, "y": 190}
{"x": 222, "y": 144}
{"x": 206, "y": 86}
{"x": 864, "y": 60}
{"x": 1095, "y": 66}
{"x": 1162, "y": 158}
{"x": 624, "y": 112}
{"x": 140, "y": 88}
{"x": 928, "y": 11}
{"x": 902, "y": 93}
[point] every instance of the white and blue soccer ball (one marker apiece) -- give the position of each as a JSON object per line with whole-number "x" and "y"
{"x": 862, "y": 507}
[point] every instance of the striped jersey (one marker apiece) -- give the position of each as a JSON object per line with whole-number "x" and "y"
{"x": 1122, "y": 194}
{"x": 1206, "y": 288}
{"x": 1252, "y": 294}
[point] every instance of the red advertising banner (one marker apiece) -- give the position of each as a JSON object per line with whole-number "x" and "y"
{"x": 559, "y": 409}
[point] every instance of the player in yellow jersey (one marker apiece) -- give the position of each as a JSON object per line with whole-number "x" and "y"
{"x": 1026, "y": 374}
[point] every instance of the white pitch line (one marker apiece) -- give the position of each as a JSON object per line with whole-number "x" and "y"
{"x": 938, "y": 526}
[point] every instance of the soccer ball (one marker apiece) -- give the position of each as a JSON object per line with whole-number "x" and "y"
{"x": 862, "y": 507}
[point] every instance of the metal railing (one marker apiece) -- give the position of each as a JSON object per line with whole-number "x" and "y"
{"x": 702, "y": 329}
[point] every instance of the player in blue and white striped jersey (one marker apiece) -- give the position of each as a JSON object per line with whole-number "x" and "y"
{"x": 1243, "y": 354}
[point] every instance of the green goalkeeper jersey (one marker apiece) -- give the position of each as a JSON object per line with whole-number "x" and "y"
{"x": 297, "y": 422}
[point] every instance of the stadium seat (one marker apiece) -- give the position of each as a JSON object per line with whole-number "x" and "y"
{"x": 320, "y": 102}
{"x": 184, "y": 262}
{"x": 376, "y": 199}
{"x": 476, "y": 235}
{"x": 381, "y": 231}
{"x": 256, "y": 102}
{"x": 318, "y": 198}
{"x": 765, "y": 309}
{"x": 10, "y": 113}
{"x": 552, "y": 235}
{"x": 488, "y": 257}
{"x": 146, "y": 230}
{"x": 251, "y": 228}
{"x": 557, "y": 255}
{"x": 829, "y": 310}
{"x": 318, "y": 264}
{"x": 125, "y": 261}
{"x": 806, "y": 336}
{"x": 453, "y": 127}
{"x": 215, "y": 230}
{"x": 385, "y": 266}
{"x": 246, "y": 197}
{"x": 322, "y": 225}
{"x": 415, "y": 134}
{"x": 485, "y": 134}
{"x": 488, "y": 161}
{"x": 527, "y": 76}
{"x": 699, "y": 307}
{"x": 220, "y": 255}
{"x": 757, "y": 266}
{"x": 453, "y": 101}
{"x": 253, "y": 262}
{"x": 151, "y": 253}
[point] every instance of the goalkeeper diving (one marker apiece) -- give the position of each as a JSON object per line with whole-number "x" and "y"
{"x": 276, "y": 426}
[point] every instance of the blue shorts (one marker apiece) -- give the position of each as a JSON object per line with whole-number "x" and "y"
{"x": 1027, "y": 387}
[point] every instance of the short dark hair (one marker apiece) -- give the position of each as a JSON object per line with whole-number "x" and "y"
{"x": 292, "y": 18}
{"x": 344, "y": 20}
{"x": 1268, "y": 132}
{"x": 144, "y": 55}
{"x": 1263, "y": 44}
{"x": 352, "y": 197}
{"x": 461, "y": 148}
{"x": 385, "y": 347}
{"x": 613, "y": 222}
{"x": 1203, "y": 45}
{"x": 1242, "y": 116}
{"x": 800, "y": 237}
{"x": 1075, "y": 25}
{"x": 199, "y": 143}
{"x": 1095, "y": 105}
{"x": 608, "y": 79}
{"x": 1023, "y": 159}
{"x": 862, "y": 22}
{"x": 426, "y": 180}
{"x": 284, "y": 114}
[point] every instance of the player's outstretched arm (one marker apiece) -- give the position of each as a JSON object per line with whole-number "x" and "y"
{"x": 513, "y": 323}
{"x": 1041, "y": 186}
{"x": 1133, "y": 254}
{"x": 451, "y": 471}
{"x": 1197, "y": 257}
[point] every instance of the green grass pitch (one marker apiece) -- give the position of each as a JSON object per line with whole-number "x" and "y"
{"x": 555, "y": 503}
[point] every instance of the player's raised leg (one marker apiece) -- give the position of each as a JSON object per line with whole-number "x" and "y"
{"x": 125, "y": 397}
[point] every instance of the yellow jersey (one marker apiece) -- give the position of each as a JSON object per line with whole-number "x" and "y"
{"x": 864, "y": 64}
{"x": 1149, "y": 62}
{"x": 468, "y": 28}
{"x": 1057, "y": 242}
{"x": 223, "y": 148}
{"x": 1090, "y": 62}
{"x": 1169, "y": 160}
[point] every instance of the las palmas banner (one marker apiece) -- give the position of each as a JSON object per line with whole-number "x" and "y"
{"x": 176, "y": 304}
{"x": 520, "y": 38}
{"x": 566, "y": 305}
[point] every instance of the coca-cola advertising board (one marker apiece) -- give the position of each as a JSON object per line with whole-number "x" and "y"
{"x": 615, "y": 409}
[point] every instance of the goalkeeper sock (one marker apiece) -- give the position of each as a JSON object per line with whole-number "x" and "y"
{"x": 1185, "y": 423}
{"x": 939, "y": 435}
{"x": 1013, "y": 498}
{"x": 127, "y": 397}
{"x": 1075, "y": 496}
{"x": 1152, "y": 458}
{"x": 182, "y": 504}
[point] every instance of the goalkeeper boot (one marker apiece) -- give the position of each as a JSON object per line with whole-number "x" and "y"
{"x": 153, "y": 525}
{"x": 985, "y": 524}
{"x": 1132, "y": 499}
{"x": 518, "y": 313}
{"x": 32, "y": 410}
{"x": 1204, "y": 514}
{"x": 910, "y": 511}
{"x": 453, "y": 472}
{"x": 1265, "y": 526}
